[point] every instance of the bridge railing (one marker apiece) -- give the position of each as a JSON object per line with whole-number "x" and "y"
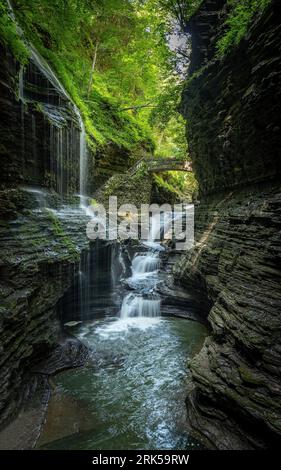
{"x": 162, "y": 164}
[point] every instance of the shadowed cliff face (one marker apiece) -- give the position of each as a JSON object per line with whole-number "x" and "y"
{"x": 40, "y": 248}
{"x": 233, "y": 111}
{"x": 233, "y": 106}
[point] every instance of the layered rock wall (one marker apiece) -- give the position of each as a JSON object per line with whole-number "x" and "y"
{"x": 39, "y": 125}
{"x": 232, "y": 106}
{"x": 40, "y": 246}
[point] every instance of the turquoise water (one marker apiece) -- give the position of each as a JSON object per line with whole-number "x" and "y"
{"x": 132, "y": 393}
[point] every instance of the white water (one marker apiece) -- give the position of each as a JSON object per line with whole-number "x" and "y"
{"x": 21, "y": 85}
{"x": 39, "y": 194}
{"x": 122, "y": 264}
{"x": 144, "y": 302}
{"x": 43, "y": 65}
{"x": 138, "y": 306}
{"x": 83, "y": 162}
{"x": 113, "y": 329}
{"x": 143, "y": 265}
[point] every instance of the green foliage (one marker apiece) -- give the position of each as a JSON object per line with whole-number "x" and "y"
{"x": 132, "y": 96}
{"x": 9, "y": 34}
{"x": 169, "y": 124}
{"x": 167, "y": 102}
{"x": 183, "y": 185}
{"x": 135, "y": 90}
{"x": 162, "y": 183}
{"x": 127, "y": 69}
{"x": 171, "y": 140}
{"x": 241, "y": 12}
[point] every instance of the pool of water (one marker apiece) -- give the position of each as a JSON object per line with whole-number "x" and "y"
{"x": 132, "y": 393}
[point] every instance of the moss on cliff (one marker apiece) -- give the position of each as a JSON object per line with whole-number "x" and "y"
{"x": 240, "y": 15}
{"x": 9, "y": 34}
{"x": 129, "y": 188}
{"x": 64, "y": 34}
{"x": 60, "y": 235}
{"x": 176, "y": 186}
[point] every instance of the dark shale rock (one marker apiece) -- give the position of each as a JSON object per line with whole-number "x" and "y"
{"x": 40, "y": 130}
{"x": 23, "y": 432}
{"x": 40, "y": 252}
{"x": 129, "y": 189}
{"x": 205, "y": 27}
{"x": 42, "y": 240}
{"x": 233, "y": 111}
{"x": 40, "y": 247}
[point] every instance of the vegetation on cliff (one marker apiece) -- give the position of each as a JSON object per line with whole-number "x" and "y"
{"x": 240, "y": 15}
{"x": 113, "y": 58}
{"x": 123, "y": 62}
{"x": 9, "y": 34}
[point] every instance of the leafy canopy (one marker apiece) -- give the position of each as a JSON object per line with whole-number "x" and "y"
{"x": 122, "y": 61}
{"x": 131, "y": 91}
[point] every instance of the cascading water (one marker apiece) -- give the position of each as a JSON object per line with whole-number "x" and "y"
{"x": 145, "y": 264}
{"x": 83, "y": 162}
{"x": 138, "y": 306}
{"x": 63, "y": 149}
{"x": 134, "y": 390}
{"x": 144, "y": 302}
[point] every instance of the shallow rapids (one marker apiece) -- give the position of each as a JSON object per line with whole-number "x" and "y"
{"x": 132, "y": 394}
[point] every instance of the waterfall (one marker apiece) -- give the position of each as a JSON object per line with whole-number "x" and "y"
{"x": 145, "y": 264}
{"x": 155, "y": 228}
{"x": 83, "y": 162}
{"x": 21, "y": 84}
{"x": 84, "y": 283}
{"x": 40, "y": 196}
{"x": 63, "y": 149}
{"x": 138, "y": 306}
{"x": 122, "y": 263}
{"x": 144, "y": 302}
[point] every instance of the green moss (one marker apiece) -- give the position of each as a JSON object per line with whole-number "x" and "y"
{"x": 61, "y": 235}
{"x": 9, "y": 34}
{"x": 56, "y": 30}
{"x": 180, "y": 185}
{"x": 161, "y": 183}
{"x": 247, "y": 375}
{"x": 39, "y": 242}
{"x": 241, "y": 13}
{"x": 129, "y": 188}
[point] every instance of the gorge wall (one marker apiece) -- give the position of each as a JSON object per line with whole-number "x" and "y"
{"x": 41, "y": 137}
{"x": 40, "y": 127}
{"x": 232, "y": 106}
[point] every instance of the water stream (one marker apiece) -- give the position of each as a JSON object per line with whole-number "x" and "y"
{"x": 63, "y": 135}
{"x": 132, "y": 393}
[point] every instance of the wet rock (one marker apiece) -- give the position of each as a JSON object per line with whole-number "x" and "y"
{"x": 24, "y": 430}
{"x": 232, "y": 108}
{"x": 40, "y": 252}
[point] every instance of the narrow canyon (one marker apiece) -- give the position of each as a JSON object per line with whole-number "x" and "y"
{"x": 121, "y": 343}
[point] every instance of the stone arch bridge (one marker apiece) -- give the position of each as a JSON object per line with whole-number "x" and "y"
{"x": 159, "y": 165}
